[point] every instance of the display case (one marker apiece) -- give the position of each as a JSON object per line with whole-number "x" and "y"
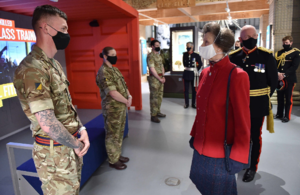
{"x": 179, "y": 37}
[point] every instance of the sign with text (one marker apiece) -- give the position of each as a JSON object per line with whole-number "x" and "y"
{"x": 165, "y": 4}
{"x": 7, "y": 91}
{"x": 8, "y": 32}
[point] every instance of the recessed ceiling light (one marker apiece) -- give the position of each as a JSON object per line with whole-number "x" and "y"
{"x": 54, "y": 0}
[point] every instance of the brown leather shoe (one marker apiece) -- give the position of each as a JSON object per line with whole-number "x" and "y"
{"x": 161, "y": 115}
{"x": 118, "y": 165}
{"x": 155, "y": 119}
{"x": 123, "y": 159}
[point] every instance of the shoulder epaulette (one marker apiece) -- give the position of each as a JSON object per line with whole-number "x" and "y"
{"x": 235, "y": 51}
{"x": 265, "y": 50}
{"x": 196, "y": 52}
{"x": 296, "y": 49}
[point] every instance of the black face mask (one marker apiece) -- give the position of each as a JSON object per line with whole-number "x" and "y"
{"x": 112, "y": 59}
{"x": 250, "y": 43}
{"x": 236, "y": 47}
{"x": 188, "y": 49}
{"x": 157, "y": 49}
{"x": 61, "y": 40}
{"x": 286, "y": 47}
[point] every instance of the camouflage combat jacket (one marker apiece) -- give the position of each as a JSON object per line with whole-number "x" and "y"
{"x": 41, "y": 85}
{"x": 111, "y": 79}
{"x": 155, "y": 60}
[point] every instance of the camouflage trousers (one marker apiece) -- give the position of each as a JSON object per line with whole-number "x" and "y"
{"x": 114, "y": 124}
{"x": 60, "y": 173}
{"x": 156, "y": 95}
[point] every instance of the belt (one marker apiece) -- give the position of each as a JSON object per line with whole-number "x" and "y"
{"x": 259, "y": 92}
{"x": 46, "y": 141}
{"x": 157, "y": 74}
{"x": 270, "y": 119}
{"x": 189, "y": 69}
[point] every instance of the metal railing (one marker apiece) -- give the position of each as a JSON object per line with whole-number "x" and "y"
{"x": 12, "y": 162}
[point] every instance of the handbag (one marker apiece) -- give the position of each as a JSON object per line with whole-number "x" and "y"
{"x": 228, "y": 147}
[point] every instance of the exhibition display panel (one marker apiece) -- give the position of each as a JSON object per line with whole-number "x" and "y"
{"x": 15, "y": 44}
{"x": 179, "y": 37}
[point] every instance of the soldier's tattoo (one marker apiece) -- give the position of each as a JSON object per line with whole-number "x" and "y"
{"x": 57, "y": 131}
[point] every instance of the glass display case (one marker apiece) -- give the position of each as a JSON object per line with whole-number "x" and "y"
{"x": 179, "y": 37}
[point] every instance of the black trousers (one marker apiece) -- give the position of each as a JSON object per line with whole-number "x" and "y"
{"x": 187, "y": 83}
{"x": 256, "y": 131}
{"x": 288, "y": 94}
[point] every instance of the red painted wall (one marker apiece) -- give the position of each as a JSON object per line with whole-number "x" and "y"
{"x": 83, "y": 61}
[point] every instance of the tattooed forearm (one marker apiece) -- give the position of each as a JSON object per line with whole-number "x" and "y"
{"x": 56, "y": 130}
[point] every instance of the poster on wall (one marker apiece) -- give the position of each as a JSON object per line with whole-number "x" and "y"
{"x": 163, "y": 36}
{"x": 144, "y": 53}
{"x": 179, "y": 40}
{"x": 182, "y": 40}
{"x": 15, "y": 44}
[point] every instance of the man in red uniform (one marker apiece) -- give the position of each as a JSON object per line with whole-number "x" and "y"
{"x": 260, "y": 65}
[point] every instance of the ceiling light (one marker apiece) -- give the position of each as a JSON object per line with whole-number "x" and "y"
{"x": 54, "y": 0}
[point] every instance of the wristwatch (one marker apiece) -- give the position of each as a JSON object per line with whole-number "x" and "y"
{"x": 129, "y": 96}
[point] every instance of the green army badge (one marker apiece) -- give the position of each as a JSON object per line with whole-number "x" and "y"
{"x": 38, "y": 86}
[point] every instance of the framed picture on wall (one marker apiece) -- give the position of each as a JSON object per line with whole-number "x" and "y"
{"x": 180, "y": 36}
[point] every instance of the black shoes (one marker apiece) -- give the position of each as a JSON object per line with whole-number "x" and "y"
{"x": 278, "y": 117}
{"x": 123, "y": 159}
{"x": 118, "y": 165}
{"x": 161, "y": 115}
{"x": 155, "y": 119}
{"x": 193, "y": 106}
{"x": 285, "y": 120}
{"x": 249, "y": 175}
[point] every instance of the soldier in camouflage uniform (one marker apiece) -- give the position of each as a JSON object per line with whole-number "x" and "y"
{"x": 42, "y": 89}
{"x": 115, "y": 98}
{"x": 156, "y": 81}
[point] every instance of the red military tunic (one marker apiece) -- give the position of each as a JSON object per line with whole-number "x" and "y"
{"x": 209, "y": 126}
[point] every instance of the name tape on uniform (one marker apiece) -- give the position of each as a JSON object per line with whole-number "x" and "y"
{"x": 7, "y": 91}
